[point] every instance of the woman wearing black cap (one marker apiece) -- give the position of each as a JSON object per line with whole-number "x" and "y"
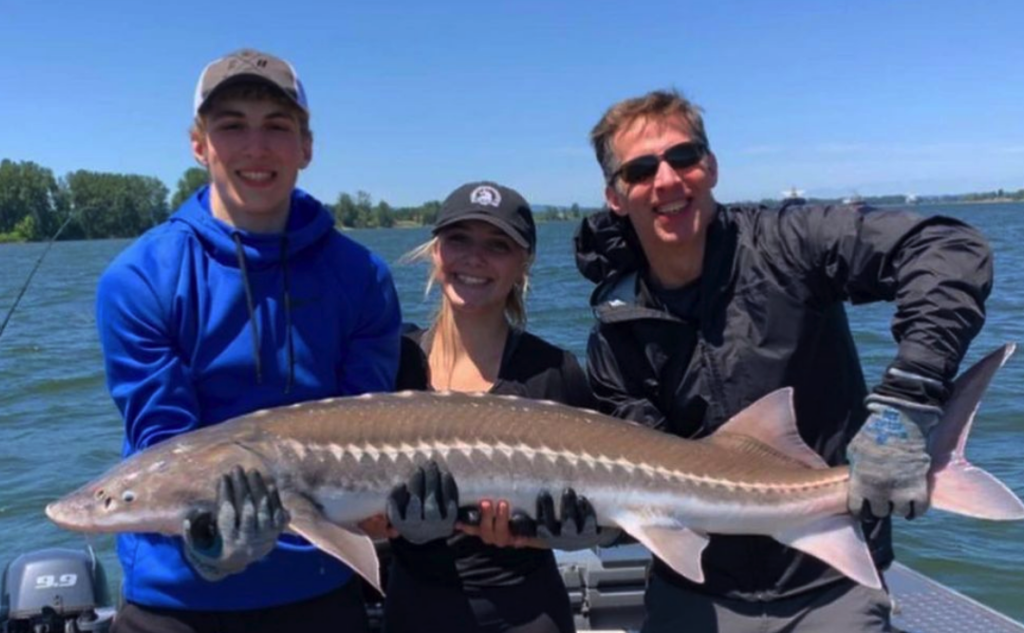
{"x": 485, "y": 577}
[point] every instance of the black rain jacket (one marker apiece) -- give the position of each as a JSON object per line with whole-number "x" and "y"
{"x": 771, "y": 315}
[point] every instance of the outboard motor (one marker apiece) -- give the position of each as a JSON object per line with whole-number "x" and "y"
{"x": 55, "y": 591}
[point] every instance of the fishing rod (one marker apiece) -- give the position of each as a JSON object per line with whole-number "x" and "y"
{"x": 32, "y": 273}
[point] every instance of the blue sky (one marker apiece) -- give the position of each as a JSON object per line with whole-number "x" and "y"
{"x": 410, "y": 99}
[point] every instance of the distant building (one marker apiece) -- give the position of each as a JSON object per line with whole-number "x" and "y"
{"x": 854, "y": 199}
{"x": 793, "y": 194}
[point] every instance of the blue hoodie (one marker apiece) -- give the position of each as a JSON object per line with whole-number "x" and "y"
{"x": 201, "y": 322}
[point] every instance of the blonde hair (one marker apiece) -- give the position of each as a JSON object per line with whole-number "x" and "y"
{"x": 442, "y": 327}
{"x": 657, "y": 105}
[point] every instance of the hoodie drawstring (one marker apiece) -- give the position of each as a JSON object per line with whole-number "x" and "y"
{"x": 240, "y": 253}
{"x": 288, "y": 315}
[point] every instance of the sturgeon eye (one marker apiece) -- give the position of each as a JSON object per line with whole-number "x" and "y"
{"x": 128, "y": 496}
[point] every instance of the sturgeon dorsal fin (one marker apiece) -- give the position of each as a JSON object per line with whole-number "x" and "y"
{"x": 772, "y": 422}
{"x": 352, "y": 548}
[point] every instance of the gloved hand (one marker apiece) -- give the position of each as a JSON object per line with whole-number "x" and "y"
{"x": 424, "y": 509}
{"x": 244, "y": 526}
{"x": 520, "y": 524}
{"x": 889, "y": 461}
{"x": 578, "y": 528}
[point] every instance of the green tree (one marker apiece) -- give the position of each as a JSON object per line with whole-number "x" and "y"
{"x": 345, "y": 211}
{"x": 29, "y": 196}
{"x": 364, "y": 209}
{"x": 552, "y": 214}
{"x": 190, "y": 181}
{"x": 384, "y": 215}
{"x": 430, "y": 211}
{"x": 115, "y": 205}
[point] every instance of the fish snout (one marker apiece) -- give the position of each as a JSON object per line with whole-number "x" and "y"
{"x": 90, "y": 509}
{"x": 63, "y": 514}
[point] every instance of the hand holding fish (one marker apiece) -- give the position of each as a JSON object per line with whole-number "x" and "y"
{"x": 578, "y": 528}
{"x": 495, "y": 523}
{"x": 243, "y": 526}
{"x": 378, "y": 527}
{"x": 425, "y": 508}
{"x": 889, "y": 460}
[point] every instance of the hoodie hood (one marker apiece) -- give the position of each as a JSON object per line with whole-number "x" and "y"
{"x": 308, "y": 221}
{"x": 608, "y": 253}
{"x": 606, "y": 245}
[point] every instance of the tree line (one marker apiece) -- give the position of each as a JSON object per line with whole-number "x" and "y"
{"x": 360, "y": 212}
{"x": 35, "y": 204}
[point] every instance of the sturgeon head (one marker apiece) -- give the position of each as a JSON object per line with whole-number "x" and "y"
{"x": 154, "y": 490}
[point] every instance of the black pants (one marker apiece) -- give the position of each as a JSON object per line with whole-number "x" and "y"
{"x": 842, "y": 607}
{"x": 539, "y": 605}
{"x": 340, "y": 611}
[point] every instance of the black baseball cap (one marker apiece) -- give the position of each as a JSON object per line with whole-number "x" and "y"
{"x": 492, "y": 203}
{"x": 249, "y": 65}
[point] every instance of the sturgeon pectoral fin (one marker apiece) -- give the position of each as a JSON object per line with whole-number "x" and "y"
{"x": 353, "y": 548}
{"x": 677, "y": 545}
{"x": 838, "y": 541}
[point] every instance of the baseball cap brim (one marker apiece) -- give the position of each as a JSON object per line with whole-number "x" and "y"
{"x": 484, "y": 216}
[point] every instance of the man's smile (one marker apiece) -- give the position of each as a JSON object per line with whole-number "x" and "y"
{"x": 673, "y": 208}
{"x": 256, "y": 176}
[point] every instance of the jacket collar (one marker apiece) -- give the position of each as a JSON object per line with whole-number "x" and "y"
{"x": 622, "y": 294}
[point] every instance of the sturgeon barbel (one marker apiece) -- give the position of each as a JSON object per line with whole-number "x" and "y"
{"x": 335, "y": 461}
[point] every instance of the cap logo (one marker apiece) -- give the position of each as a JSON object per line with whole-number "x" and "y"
{"x": 486, "y": 196}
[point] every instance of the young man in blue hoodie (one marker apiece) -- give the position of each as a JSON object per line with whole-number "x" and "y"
{"x": 246, "y": 298}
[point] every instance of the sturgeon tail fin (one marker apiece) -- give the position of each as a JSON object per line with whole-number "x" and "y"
{"x": 957, "y": 485}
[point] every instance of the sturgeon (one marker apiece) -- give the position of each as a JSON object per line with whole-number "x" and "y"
{"x": 336, "y": 460}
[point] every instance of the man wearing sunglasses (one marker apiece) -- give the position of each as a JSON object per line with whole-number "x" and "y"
{"x": 702, "y": 309}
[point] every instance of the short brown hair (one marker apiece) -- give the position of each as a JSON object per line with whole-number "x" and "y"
{"x": 657, "y": 104}
{"x": 251, "y": 91}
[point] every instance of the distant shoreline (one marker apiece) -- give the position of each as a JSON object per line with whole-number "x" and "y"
{"x": 988, "y": 201}
{"x": 888, "y": 202}
{"x": 405, "y": 224}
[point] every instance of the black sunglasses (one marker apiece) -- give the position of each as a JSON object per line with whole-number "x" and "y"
{"x": 643, "y": 168}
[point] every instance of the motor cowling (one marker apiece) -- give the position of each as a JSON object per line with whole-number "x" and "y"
{"x": 55, "y": 591}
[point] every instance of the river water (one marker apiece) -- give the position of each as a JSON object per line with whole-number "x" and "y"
{"x": 59, "y": 428}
